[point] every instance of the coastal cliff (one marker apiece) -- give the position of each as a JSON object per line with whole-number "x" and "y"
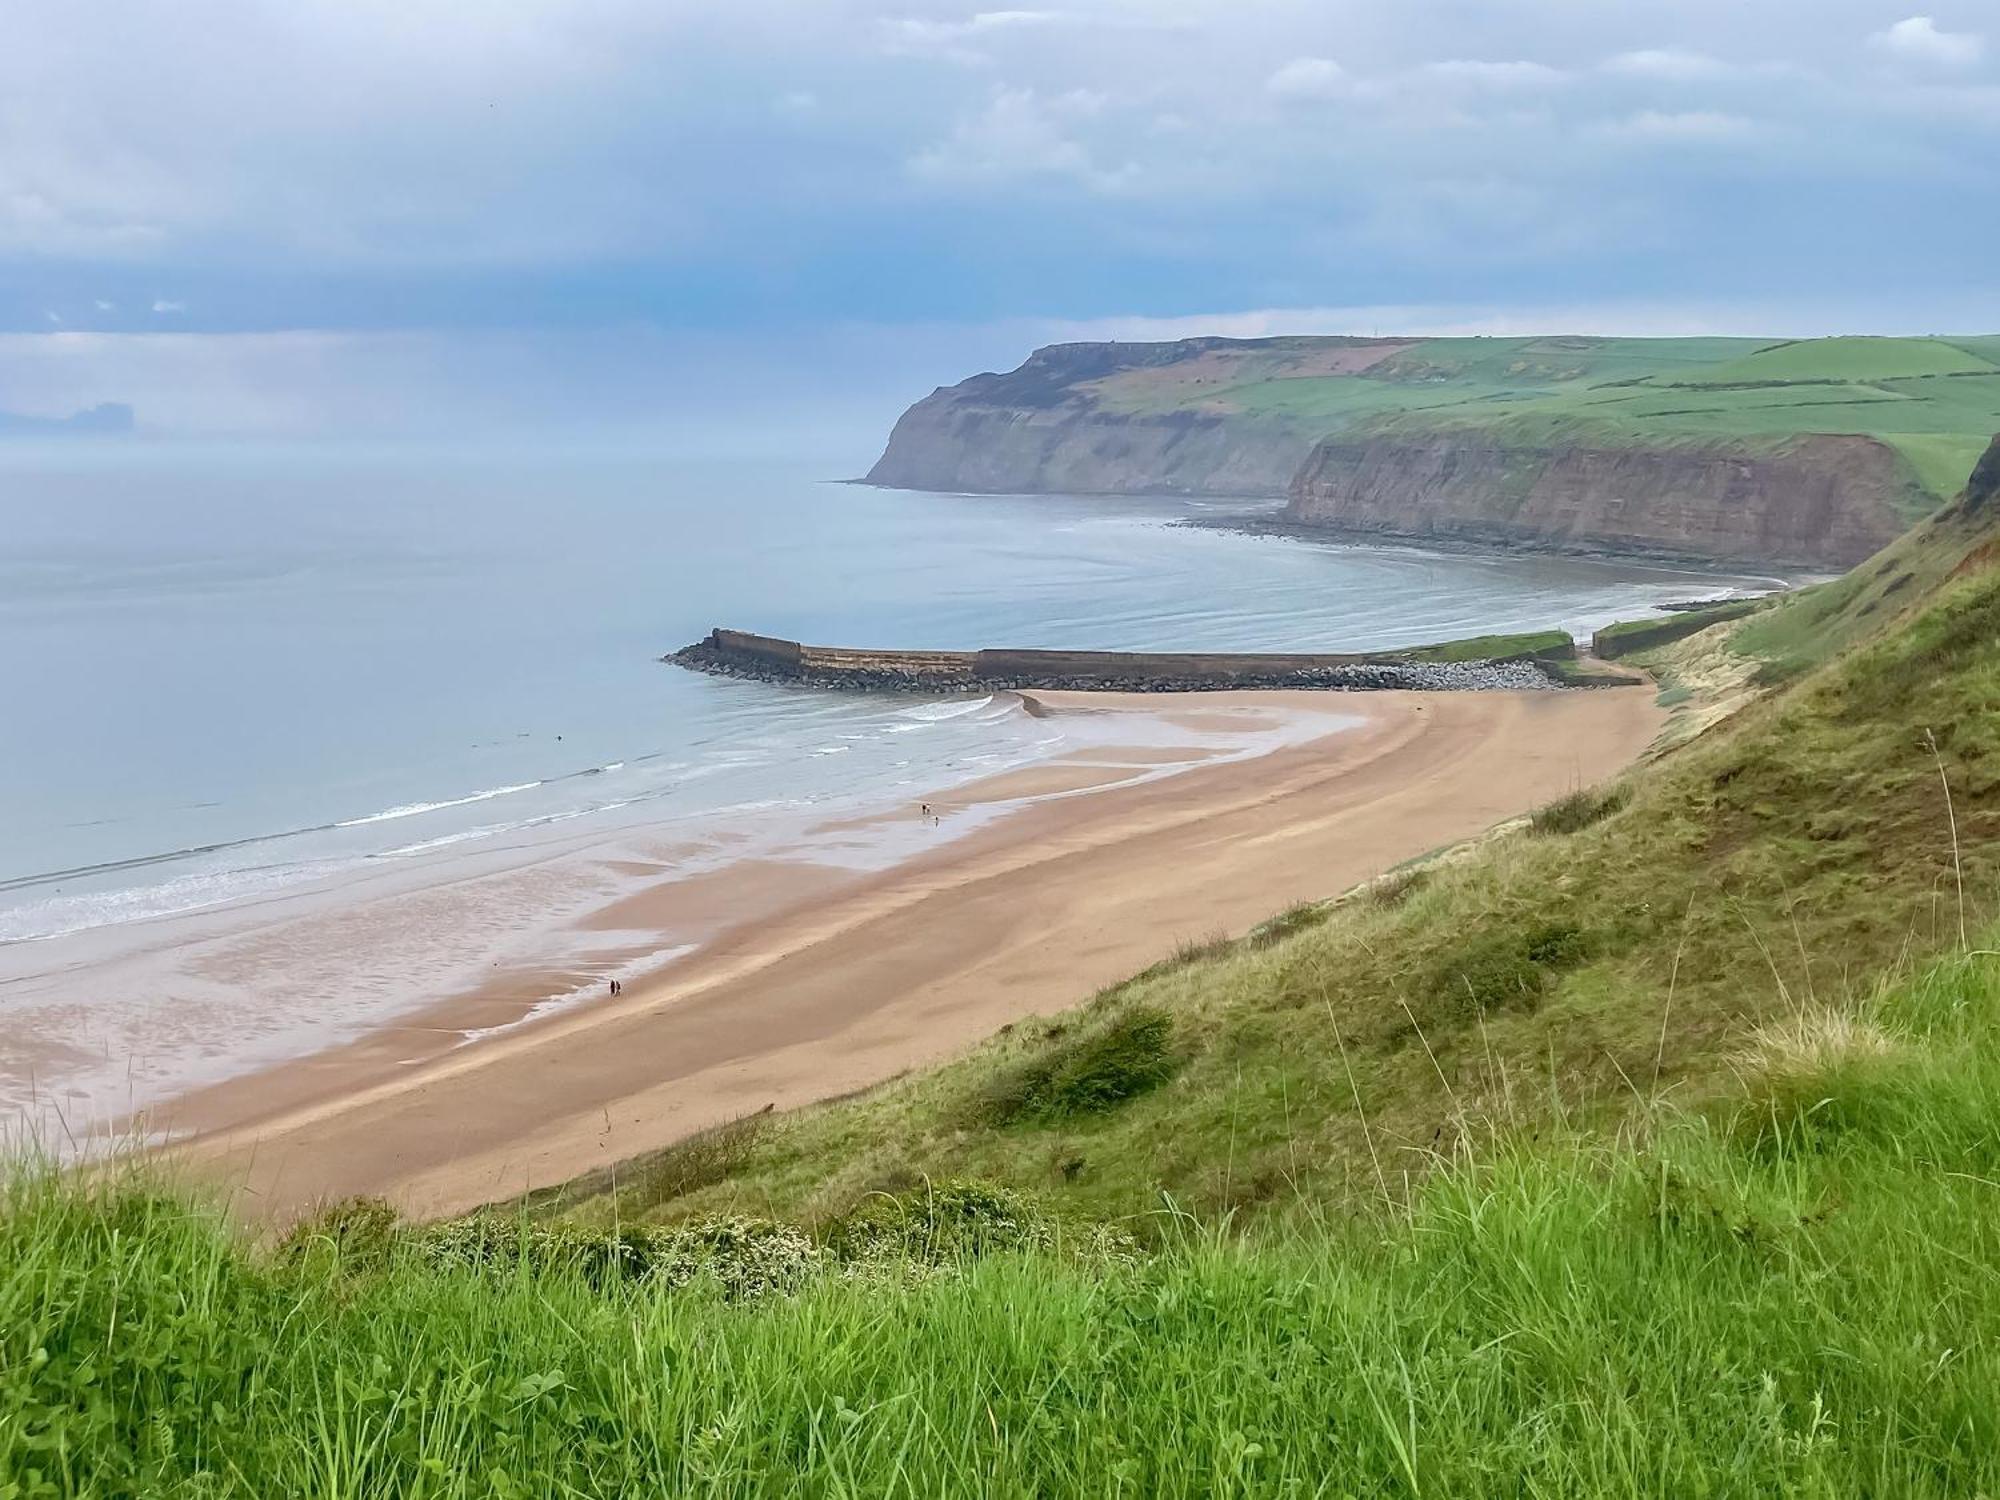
{"x": 958, "y": 449}
{"x": 1984, "y": 486}
{"x": 1817, "y": 501}
{"x": 1811, "y": 453}
{"x": 1050, "y": 428}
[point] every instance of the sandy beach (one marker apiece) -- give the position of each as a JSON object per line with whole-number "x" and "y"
{"x": 818, "y": 981}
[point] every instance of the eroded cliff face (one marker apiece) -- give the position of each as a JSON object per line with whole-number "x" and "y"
{"x": 1816, "y": 501}
{"x": 1467, "y": 440}
{"x": 945, "y": 444}
{"x": 1046, "y": 429}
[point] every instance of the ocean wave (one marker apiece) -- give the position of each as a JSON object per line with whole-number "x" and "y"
{"x": 62, "y": 916}
{"x": 446, "y": 840}
{"x": 413, "y": 809}
{"x": 937, "y": 713}
{"x": 143, "y": 861}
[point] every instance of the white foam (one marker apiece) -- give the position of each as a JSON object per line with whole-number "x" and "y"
{"x": 445, "y": 841}
{"x": 62, "y": 915}
{"x": 937, "y": 713}
{"x": 412, "y": 809}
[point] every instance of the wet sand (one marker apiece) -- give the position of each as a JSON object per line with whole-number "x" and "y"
{"x": 817, "y": 981}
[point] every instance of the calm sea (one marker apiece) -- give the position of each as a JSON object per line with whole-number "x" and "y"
{"x": 230, "y": 673}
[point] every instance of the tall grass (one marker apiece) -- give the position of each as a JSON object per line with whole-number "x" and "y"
{"x": 1794, "y": 1296}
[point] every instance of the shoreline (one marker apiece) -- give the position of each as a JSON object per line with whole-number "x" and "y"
{"x": 1265, "y": 521}
{"x": 825, "y": 984}
{"x": 484, "y": 934}
{"x": 1270, "y": 525}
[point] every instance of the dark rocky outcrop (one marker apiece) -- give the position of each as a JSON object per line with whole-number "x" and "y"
{"x": 1815, "y": 501}
{"x": 1984, "y": 486}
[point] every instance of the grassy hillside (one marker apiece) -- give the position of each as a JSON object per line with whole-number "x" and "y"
{"x": 1650, "y": 1147}
{"x": 1816, "y": 624}
{"x": 1796, "y": 856}
{"x": 1936, "y": 401}
{"x": 1843, "y": 360}
{"x": 1792, "y": 1295}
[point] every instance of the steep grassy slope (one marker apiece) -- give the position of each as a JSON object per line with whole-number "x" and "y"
{"x": 1795, "y": 856}
{"x": 1817, "y": 623}
{"x": 1791, "y": 1295}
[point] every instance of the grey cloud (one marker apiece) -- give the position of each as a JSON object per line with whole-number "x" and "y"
{"x": 1310, "y": 78}
{"x": 1919, "y": 39}
{"x": 745, "y": 146}
{"x": 1673, "y": 63}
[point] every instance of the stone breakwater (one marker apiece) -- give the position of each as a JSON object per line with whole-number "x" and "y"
{"x": 727, "y": 653}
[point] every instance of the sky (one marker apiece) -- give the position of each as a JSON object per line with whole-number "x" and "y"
{"x": 391, "y": 215}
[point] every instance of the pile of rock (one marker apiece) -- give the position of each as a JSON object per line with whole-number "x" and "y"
{"x": 1361, "y": 677}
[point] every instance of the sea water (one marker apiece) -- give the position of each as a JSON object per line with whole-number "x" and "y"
{"x": 230, "y": 673}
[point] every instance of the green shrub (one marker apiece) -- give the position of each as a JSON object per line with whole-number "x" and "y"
{"x": 1505, "y": 970}
{"x": 1556, "y": 945}
{"x": 743, "y": 1258}
{"x": 1393, "y": 889}
{"x": 1489, "y": 974}
{"x": 355, "y": 1234}
{"x": 1187, "y": 953}
{"x": 1579, "y": 810}
{"x": 1085, "y": 1074}
{"x": 939, "y": 1225}
{"x": 701, "y": 1160}
{"x": 1780, "y": 672}
{"x": 1302, "y": 917}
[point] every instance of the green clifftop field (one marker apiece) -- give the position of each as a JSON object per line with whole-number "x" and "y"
{"x": 1651, "y": 1146}
{"x": 1814, "y": 452}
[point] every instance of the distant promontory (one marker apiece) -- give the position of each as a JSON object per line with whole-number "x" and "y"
{"x": 1809, "y": 453}
{"x": 107, "y": 417}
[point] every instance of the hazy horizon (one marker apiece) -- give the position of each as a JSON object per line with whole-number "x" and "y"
{"x": 361, "y": 220}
